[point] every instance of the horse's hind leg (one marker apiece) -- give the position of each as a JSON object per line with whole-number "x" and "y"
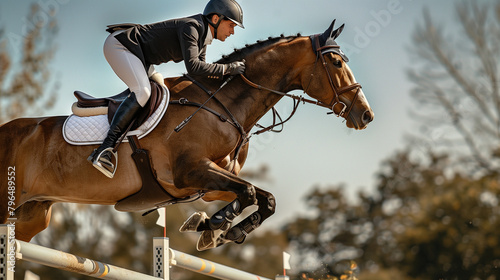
{"x": 32, "y": 218}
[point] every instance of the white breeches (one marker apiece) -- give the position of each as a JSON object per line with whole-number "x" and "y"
{"x": 128, "y": 68}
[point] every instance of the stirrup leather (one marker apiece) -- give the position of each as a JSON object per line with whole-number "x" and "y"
{"x": 105, "y": 166}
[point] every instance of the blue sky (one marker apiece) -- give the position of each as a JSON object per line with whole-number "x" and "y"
{"x": 314, "y": 148}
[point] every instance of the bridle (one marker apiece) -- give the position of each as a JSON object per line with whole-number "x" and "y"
{"x": 245, "y": 136}
{"x": 345, "y": 111}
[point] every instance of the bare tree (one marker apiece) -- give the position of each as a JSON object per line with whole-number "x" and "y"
{"x": 25, "y": 86}
{"x": 456, "y": 85}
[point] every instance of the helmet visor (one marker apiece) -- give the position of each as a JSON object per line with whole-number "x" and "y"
{"x": 236, "y": 22}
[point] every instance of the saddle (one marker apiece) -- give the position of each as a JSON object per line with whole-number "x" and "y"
{"x": 88, "y": 102}
{"x": 151, "y": 195}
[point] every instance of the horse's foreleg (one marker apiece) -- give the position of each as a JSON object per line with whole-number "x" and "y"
{"x": 267, "y": 206}
{"x": 221, "y": 220}
{"x": 32, "y": 218}
{"x": 209, "y": 177}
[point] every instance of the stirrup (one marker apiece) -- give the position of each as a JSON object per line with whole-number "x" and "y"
{"x": 107, "y": 168}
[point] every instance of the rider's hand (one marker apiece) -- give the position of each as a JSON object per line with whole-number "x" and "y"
{"x": 235, "y": 68}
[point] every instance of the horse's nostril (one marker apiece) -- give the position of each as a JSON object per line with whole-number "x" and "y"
{"x": 367, "y": 116}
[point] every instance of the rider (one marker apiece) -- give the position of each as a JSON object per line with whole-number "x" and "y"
{"x": 132, "y": 49}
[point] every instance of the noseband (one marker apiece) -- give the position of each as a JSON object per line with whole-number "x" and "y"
{"x": 345, "y": 110}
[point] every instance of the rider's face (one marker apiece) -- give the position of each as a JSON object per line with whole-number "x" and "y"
{"x": 226, "y": 28}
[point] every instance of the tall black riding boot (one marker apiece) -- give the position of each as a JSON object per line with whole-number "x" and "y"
{"x": 101, "y": 158}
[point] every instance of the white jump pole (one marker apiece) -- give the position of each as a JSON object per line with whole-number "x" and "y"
{"x": 212, "y": 269}
{"x": 195, "y": 264}
{"x": 69, "y": 262}
{"x": 164, "y": 257}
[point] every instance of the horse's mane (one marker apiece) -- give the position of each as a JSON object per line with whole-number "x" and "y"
{"x": 239, "y": 54}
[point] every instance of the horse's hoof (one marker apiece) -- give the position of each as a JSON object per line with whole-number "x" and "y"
{"x": 192, "y": 223}
{"x": 208, "y": 239}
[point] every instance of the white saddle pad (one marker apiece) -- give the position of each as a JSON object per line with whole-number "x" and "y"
{"x": 92, "y": 130}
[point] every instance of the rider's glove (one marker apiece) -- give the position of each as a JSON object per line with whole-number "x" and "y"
{"x": 235, "y": 68}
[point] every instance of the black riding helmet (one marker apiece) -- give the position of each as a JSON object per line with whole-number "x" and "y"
{"x": 226, "y": 9}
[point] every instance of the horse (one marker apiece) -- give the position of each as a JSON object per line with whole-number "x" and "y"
{"x": 205, "y": 157}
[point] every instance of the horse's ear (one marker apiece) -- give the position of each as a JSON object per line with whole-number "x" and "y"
{"x": 327, "y": 34}
{"x": 337, "y": 32}
{"x": 330, "y": 30}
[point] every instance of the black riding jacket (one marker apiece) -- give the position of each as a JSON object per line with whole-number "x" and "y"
{"x": 172, "y": 40}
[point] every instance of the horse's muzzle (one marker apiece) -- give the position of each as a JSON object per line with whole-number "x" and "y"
{"x": 367, "y": 117}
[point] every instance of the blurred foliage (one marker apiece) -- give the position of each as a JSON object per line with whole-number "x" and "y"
{"x": 25, "y": 85}
{"x": 422, "y": 222}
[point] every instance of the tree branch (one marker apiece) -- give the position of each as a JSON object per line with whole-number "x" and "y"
{"x": 475, "y": 27}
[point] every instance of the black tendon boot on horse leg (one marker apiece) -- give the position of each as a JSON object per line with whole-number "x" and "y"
{"x": 238, "y": 233}
{"x": 212, "y": 227}
{"x": 217, "y": 230}
{"x": 101, "y": 158}
{"x": 199, "y": 221}
{"x": 218, "y": 225}
{"x": 214, "y": 238}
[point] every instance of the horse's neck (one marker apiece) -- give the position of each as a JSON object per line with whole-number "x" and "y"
{"x": 278, "y": 68}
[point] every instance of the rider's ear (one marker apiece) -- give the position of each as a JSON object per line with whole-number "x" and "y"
{"x": 215, "y": 19}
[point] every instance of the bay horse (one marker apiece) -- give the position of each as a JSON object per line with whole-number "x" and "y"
{"x": 43, "y": 169}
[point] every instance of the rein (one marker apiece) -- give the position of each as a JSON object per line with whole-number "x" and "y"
{"x": 292, "y": 96}
{"x": 244, "y": 137}
{"x": 345, "y": 111}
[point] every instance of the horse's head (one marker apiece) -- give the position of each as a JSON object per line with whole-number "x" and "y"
{"x": 330, "y": 80}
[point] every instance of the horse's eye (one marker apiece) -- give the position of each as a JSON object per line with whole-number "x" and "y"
{"x": 337, "y": 63}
